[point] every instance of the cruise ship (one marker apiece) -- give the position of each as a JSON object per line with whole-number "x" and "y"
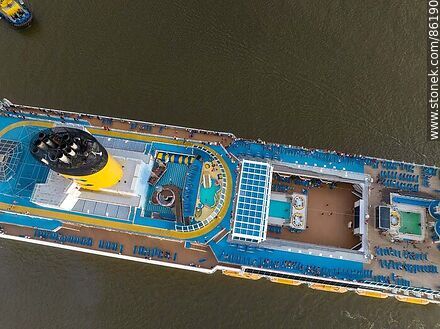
{"x": 209, "y": 202}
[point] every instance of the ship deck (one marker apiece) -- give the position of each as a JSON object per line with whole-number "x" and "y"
{"x": 194, "y": 255}
{"x": 403, "y": 249}
{"x": 330, "y": 211}
{"x": 23, "y": 183}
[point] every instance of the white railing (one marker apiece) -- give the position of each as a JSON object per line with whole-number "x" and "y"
{"x": 5, "y": 103}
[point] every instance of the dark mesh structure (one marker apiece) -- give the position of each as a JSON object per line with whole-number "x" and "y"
{"x": 10, "y": 153}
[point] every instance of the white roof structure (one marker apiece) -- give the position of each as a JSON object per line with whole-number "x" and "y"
{"x": 252, "y": 205}
{"x": 61, "y": 193}
{"x": 54, "y": 192}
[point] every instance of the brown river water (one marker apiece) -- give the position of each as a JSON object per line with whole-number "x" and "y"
{"x": 344, "y": 75}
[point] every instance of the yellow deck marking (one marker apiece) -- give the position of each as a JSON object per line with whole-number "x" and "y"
{"x": 70, "y": 217}
{"x": 18, "y": 124}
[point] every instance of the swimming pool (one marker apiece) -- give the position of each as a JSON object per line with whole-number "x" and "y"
{"x": 280, "y": 209}
{"x": 207, "y": 195}
{"x": 410, "y": 223}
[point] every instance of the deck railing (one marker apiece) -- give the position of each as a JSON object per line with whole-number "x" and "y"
{"x": 430, "y": 294}
{"x": 5, "y": 104}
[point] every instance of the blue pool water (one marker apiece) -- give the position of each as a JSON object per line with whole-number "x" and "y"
{"x": 279, "y": 209}
{"x": 207, "y": 195}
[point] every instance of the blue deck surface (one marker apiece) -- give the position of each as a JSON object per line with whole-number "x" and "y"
{"x": 41, "y": 223}
{"x": 29, "y": 171}
{"x": 158, "y": 223}
{"x": 4, "y": 122}
{"x": 288, "y": 261}
{"x": 170, "y": 148}
{"x": 412, "y": 201}
{"x": 175, "y": 175}
{"x": 190, "y": 189}
{"x": 296, "y": 155}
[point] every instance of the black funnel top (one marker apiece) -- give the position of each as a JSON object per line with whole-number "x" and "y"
{"x": 54, "y": 147}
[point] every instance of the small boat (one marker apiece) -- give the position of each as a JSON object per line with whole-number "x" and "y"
{"x": 16, "y": 13}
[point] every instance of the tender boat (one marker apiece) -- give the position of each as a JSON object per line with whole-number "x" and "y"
{"x": 16, "y": 13}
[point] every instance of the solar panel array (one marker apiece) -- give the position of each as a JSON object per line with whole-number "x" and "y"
{"x": 121, "y": 144}
{"x": 252, "y": 205}
{"x": 383, "y": 217}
